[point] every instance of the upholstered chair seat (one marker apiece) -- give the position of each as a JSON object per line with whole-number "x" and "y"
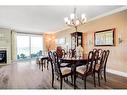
{"x": 81, "y": 69}
{"x": 97, "y": 67}
{"x": 65, "y": 70}
{"x": 63, "y": 64}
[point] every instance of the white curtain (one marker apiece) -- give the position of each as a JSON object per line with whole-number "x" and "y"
{"x": 14, "y": 45}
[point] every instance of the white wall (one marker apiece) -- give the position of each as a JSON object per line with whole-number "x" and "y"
{"x": 5, "y": 42}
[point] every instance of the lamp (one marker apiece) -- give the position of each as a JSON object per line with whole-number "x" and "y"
{"x": 74, "y": 20}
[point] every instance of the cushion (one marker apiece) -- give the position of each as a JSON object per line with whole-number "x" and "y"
{"x": 65, "y": 70}
{"x": 81, "y": 69}
{"x": 63, "y": 64}
{"x": 97, "y": 66}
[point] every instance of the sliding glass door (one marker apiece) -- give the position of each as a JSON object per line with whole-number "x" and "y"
{"x": 23, "y": 51}
{"x": 36, "y": 46}
{"x": 29, "y": 46}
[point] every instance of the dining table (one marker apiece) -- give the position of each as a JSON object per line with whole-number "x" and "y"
{"x": 74, "y": 63}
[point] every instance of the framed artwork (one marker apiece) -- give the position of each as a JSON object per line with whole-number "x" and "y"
{"x": 104, "y": 37}
{"x": 60, "y": 41}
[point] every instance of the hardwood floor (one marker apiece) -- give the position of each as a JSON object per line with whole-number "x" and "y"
{"x": 27, "y": 75}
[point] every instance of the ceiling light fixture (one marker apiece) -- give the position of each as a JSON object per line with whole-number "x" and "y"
{"x": 74, "y": 20}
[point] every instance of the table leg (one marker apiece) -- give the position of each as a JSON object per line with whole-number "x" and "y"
{"x": 52, "y": 74}
{"x": 47, "y": 63}
{"x": 42, "y": 64}
{"x": 39, "y": 64}
{"x": 74, "y": 75}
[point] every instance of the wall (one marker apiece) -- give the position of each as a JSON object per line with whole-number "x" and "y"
{"x": 49, "y": 41}
{"x": 5, "y": 43}
{"x": 65, "y": 34}
{"x": 118, "y": 53}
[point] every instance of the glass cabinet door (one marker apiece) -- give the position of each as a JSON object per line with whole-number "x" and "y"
{"x": 76, "y": 39}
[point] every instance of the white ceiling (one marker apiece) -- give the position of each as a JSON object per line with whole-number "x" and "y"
{"x": 39, "y": 19}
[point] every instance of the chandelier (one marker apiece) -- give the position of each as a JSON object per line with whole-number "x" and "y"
{"x": 74, "y": 20}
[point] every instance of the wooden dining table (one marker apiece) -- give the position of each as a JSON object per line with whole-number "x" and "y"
{"x": 74, "y": 63}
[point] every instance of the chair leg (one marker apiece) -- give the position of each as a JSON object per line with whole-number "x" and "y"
{"x": 85, "y": 83}
{"x": 52, "y": 81}
{"x": 47, "y": 64}
{"x": 74, "y": 81}
{"x": 42, "y": 65}
{"x": 39, "y": 65}
{"x": 72, "y": 78}
{"x": 94, "y": 80}
{"x": 105, "y": 75}
{"x": 52, "y": 75}
{"x": 99, "y": 78}
{"x": 61, "y": 81}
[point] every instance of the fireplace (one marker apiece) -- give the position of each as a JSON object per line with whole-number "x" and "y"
{"x": 3, "y": 56}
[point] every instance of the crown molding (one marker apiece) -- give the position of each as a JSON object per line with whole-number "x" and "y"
{"x": 109, "y": 13}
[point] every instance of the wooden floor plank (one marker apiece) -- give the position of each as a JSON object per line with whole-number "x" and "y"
{"x": 27, "y": 75}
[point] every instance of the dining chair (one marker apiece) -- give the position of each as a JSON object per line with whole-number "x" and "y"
{"x": 37, "y": 61}
{"x": 70, "y": 53}
{"x": 100, "y": 52}
{"x": 64, "y": 64}
{"x": 50, "y": 55}
{"x": 101, "y": 65}
{"x": 63, "y": 52}
{"x": 107, "y": 55}
{"x": 87, "y": 69}
{"x": 94, "y": 49}
{"x": 61, "y": 72}
{"x": 59, "y": 51}
{"x": 44, "y": 62}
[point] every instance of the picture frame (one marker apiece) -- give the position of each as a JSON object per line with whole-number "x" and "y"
{"x": 104, "y": 37}
{"x": 60, "y": 41}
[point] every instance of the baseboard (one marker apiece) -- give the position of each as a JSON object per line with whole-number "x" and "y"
{"x": 117, "y": 72}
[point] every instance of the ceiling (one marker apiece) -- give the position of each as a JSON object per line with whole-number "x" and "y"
{"x": 39, "y": 19}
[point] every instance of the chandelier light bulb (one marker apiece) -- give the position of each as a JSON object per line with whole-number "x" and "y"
{"x": 66, "y": 19}
{"x": 84, "y": 20}
{"x": 83, "y": 16}
{"x": 77, "y": 22}
{"x": 69, "y": 22}
{"x": 72, "y": 16}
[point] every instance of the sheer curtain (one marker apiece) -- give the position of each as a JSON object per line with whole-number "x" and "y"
{"x": 13, "y": 47}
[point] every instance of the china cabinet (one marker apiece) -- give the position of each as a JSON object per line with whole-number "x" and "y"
{"x": 76, "y": 39}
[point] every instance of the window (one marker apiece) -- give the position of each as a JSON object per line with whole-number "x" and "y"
{"x": 29, "y": 46}
{"x": 36, "y": 46}
{"x": 23, "y": 51}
